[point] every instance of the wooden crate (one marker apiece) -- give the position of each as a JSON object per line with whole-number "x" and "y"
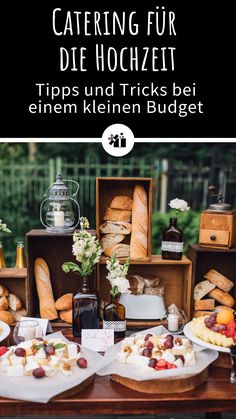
{"x": 109, "y": 187}
{"x": 204, "y": 259}
{"x": 55, "y": 249}
{"x": 16, "y": 281}
{"x": 177, "y": 278}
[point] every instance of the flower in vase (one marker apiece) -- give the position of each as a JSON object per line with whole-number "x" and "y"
{"x": 117, "y": 276}
{"x": 3, "y": 227}
{"x": 179, "y": 205}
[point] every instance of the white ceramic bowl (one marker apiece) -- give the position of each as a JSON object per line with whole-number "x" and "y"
{"x": 148, "y": 307}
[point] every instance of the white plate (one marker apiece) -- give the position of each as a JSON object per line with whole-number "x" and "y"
{"x": 4, "y": 330}
{"x": 188, "y": 333}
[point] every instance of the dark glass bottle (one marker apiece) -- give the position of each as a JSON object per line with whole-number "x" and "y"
{"x": 85, "y": 309}
{"x": 114, "y": 317}
{"x": 172, "y": 242}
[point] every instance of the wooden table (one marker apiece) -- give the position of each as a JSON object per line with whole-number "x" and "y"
{"x": 106, "y": 397}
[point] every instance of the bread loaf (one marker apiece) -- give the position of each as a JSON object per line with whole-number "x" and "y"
{"x": 222, "y": 297}
{"x": 202, "y": 289}
{"x": 66, "y": 316}
{"x": 109, "y": 240}
{"x": 15, "y": 302}
{"x": 19, "y": 313}
{"x": 7, "y": 317}
{"x": 117, "y": 215}
{"x": 207, "y": 304}
{"x": 120, "y": 250}
{"x": 219, "y": 280}
{"x": 64, "y": 302}
{"x": 136, "y": 283}
{"x": 158, "y": 290}
{"x": 117, "y": 227}
{"x": 44, "y": 289}
{"x": 151, "y": 281}
{"x": 201, "y": 313}
{"x": 122, "y": 202}
{"x": 3, "y": 291}
{"x": 139, "y": 235}
{"x": 220, "y": 308}
{"x": 3, "y": 303}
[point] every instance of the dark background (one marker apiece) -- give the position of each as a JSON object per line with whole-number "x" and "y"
{"x": 29, "y": 54}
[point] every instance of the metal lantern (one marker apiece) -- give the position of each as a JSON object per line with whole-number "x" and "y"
{"x": 60, "y": 214}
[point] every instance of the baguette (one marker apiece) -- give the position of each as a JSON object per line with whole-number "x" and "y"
{"x": 207, "y": 304}
{"x": 44, "y": 289}
{"x": 15, "y": 302}
{"x": 110, "y": 240}
{"x": 7, "y": 317}
{"x": 222, "y": 297}
{"x": 66, "y": 316}
{"x": 4, "y": 303}
{"x": 219, "y": 280}
{"x": 120, "y": 250}
{"x": 117, "y": 227}
{"x": 202, "y": 289}
{"x": 117, "y": 215}
{"x": 64, "y": 302}
{"x": 138, "y": 243}
{"x": 122, "y": 202}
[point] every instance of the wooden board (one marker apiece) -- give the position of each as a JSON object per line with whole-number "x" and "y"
{"x": 177, "y": 384}
{"x": 77, "y": 389}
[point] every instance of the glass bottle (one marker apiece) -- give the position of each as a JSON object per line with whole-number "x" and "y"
{"x": 20, "y": 256}
{"x": 172, "y": 242}
{"x": 85, "y": 309}
{"x": 2, "y": 259}
{"x": 114, "y": 317}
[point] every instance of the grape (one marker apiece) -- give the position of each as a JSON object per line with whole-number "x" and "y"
{"x": 152, "y": 362}
{"x": 222, "y": 327}
{"x": 82, "y": 363}
{"x": 170, "y": 337}
{"x": 40, "y": 339}
{"x": 147, "y": 352}
{"x": 168, "y": 344}
{"x": 20, "y": 352}
{"x": 39, "y": 373}
{"x": 215, "y": 329}
{"x": 50, "y": 350}
{"x": 148, "y": 336}
{"x": 148, "y": 344}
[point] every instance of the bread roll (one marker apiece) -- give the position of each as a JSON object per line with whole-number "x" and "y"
{"x": 117, "y": 227}
{"x": 121, "y": 250}
{"x": 44, "y": 289}
{"x": 19, "y": 313}
{"x": 110, "y": 240}
{"x": 139, "y": 235}
{"x": 220, "y": 308}
{"x": 222, "y": 297}
{"x": 207, "y": 304}
{"x": 4, "y": 303}
{"x": 3, "y": 291}
{"x": 66, "y": 316}
{"x": 219, "y": 280}
{"x": 15, "y": 302}
{"x": 136, "y": 283}
{"x": 7, "y": 317}
{"x": 201, "y": 313}
{"x": 202, "y": 289}
{"x": 122, "y": 202}
{"x": 117, "y": 215}
{"x": 64, "y": 302}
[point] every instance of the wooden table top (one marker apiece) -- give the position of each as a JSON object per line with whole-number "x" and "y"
{"x": 107, "y": 397}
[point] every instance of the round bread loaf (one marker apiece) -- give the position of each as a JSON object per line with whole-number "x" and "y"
{"x": 3, "y": 291}
{"x": 3, "y": 303}
{"x": 222, "y": 297}
{"x": 7, "y": 317}
{"x": 66, "y": 316}
{"x": 64, "y": 302}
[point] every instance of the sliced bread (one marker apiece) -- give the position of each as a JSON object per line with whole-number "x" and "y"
{"x": 120, "y": 250}
{"x": 202, "y": 289}
{"x": 111, "y": 239}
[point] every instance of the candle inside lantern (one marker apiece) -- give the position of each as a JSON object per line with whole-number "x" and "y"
{"x": 59, "y": 218}
{"x": 30, "y": 332}
{"x": 173, "y": 322}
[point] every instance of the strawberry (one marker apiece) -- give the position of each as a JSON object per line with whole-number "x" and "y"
{"x": 161, "y": 363}
{"x": 230, "y": 332}
{"x": 3, "y": 350}
{"x": 173, "y": 366}
{"x": 231, "y": 324}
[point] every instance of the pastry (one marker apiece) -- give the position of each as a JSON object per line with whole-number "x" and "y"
{"x": 15, "y": 302}
{"x": 139, "y": 235}
{"x": 66, "y": 316}
{"x": 117, "y": 215}
{"x": 219, "y": 280}
{"x": 64, "y": 302}
{"x": 222, "y": 297}
{"x": 117, "y": 227}
{"x": 207, "y": 304}
{"x": 109, "y": 240}
{"x": 7, "y": 317}
{"x": 122, "y": 202}
{"x": 44, "y": 289}
{"x": 120, "y": 250}
{"x": 19, "y": 313}
{"x": 202, "y": 289}
{"x": 3, "y": 303}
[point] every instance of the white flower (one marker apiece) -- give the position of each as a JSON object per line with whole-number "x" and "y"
{"x": 179, "y": 205}
{"x": 117, "y": 276}
{"x": 122, "y": 284}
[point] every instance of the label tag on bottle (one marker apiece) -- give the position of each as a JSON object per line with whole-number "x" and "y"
{"x": 117, "y": 326}
{"x": 175, "y": 247}
{"x": 98, "y": 340}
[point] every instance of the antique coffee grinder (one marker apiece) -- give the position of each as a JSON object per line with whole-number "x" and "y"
{"x": 218, "y": 222}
